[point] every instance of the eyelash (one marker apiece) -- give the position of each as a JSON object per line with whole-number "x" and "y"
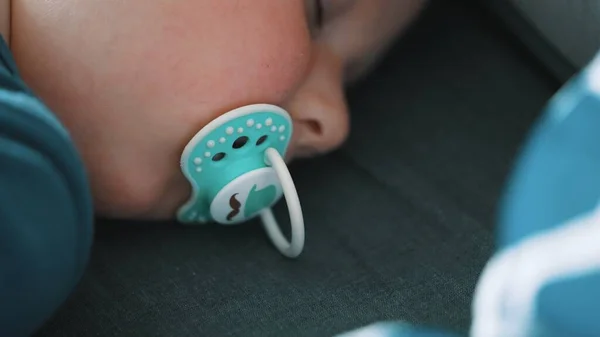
{"x": 319, "y": 13}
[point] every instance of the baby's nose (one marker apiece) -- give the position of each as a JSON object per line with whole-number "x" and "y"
{"x": 319, "y": 128}
{"x": 319, "y": 108}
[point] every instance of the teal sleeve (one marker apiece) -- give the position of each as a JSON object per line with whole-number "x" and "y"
{"x": 46, "y": 220}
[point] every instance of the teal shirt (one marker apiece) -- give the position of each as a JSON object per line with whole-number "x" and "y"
{"x": 548, "y": 222}
{"x": 46, "y": 217}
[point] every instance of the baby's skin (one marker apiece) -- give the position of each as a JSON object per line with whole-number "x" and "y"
{"x": 134, "y": 80}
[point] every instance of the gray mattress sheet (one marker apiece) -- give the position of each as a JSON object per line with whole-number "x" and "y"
{"x": 399, "y": 222}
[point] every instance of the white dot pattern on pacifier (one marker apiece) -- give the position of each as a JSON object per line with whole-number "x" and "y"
{"x": 197, "y": 162}
{"x": 258, "y": 126}
{"x": 229, "y": 130}
{"x": 282, "y": 138}
{"x": 249, "y": 123}
{"x": 207, "y": 154}
{"x": 268, "y": 122}
{"x": 273, "y": 128}
{"x": 240, "y": 130}
{"x": 195, "y": 216}
{"x": 222, "y": 140}
{"x": 282, "y": 128}
{"x": 210, "y": 143}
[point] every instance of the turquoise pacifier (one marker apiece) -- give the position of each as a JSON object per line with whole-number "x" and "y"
{"x": 236, "y": 168}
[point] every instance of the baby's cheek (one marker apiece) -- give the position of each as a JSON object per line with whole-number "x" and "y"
{"x": 185, "y": 85}
{"x": 244, "y": 58}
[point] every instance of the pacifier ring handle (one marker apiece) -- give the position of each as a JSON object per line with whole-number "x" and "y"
{"x": 294, "y": 248}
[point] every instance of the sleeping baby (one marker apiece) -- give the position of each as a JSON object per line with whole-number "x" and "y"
{"x": 140, "y": 100}
{"x": 133, "y": 81}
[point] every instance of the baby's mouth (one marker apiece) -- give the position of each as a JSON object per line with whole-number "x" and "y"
{"x": 296, "y": 151}
{"x": 289, "y": 156}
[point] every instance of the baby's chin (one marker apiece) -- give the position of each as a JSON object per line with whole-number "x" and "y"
{"x": 164, "y": 208}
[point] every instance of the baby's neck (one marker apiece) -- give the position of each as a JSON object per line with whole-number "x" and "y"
{"x": 5, "y": 19}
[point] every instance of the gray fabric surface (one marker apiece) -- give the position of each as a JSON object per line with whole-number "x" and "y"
{"x": 531, "y": 39}
{"x": 573, "y": 26}
{"x": 399, "y": 222}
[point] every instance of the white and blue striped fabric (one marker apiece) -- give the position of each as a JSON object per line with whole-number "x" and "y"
{"x": 544, "y": 280}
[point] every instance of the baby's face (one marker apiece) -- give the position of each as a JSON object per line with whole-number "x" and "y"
{"x": 134, "y": 80}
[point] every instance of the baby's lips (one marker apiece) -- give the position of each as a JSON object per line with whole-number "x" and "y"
{"x": 291, "y": 152}
{"x": 296, "y": 151}
{"x": 289, "y": 156}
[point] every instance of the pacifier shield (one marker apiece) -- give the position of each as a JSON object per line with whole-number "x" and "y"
{"x": 246, "y": 196}
{"x": 225, "y": 165}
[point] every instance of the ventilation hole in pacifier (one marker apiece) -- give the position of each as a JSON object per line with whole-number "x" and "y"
{"x": 240, "y": 142}
{"x": 219, "y": 156}
{"x": 262, "y": 139}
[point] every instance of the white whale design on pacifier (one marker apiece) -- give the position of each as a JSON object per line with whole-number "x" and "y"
{"x": 236, "y": 168}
